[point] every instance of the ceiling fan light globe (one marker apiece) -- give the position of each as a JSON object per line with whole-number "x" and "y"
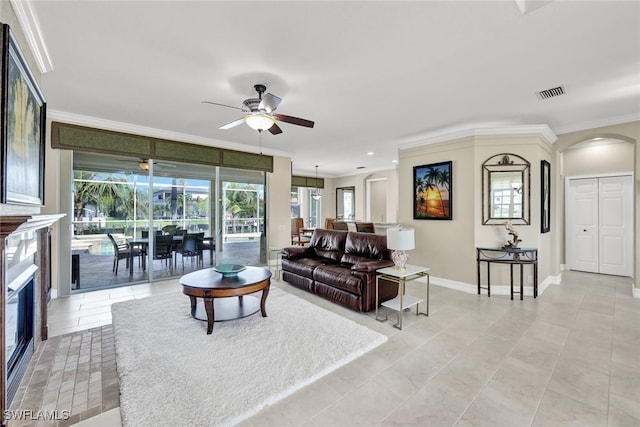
{"x": 259, "y": 122}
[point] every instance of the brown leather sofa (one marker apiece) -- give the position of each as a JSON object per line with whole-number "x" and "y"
{"x": 341, "y": 266}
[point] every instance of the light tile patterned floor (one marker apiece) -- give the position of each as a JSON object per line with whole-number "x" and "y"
{"x": 569, "y": 357}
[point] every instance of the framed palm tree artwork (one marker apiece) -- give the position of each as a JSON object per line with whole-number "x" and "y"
{"x": 22, "y": 112}
{"x": 433, "y": 191}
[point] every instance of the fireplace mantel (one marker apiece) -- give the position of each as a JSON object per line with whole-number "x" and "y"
{"x": 9, "y": 224}
{"x": 21, "y": 223}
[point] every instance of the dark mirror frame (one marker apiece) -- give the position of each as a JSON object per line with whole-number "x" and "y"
{"x": 339, "y": 203}
{"x": 500, "y": 163}
{"x": 545, "y": 196}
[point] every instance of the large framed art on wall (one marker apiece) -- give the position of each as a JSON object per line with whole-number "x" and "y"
{"x": 433, "y": 191}
{"x": 22, "y": 111}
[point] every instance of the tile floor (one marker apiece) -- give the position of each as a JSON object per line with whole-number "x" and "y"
{"x": 570, "y": 357}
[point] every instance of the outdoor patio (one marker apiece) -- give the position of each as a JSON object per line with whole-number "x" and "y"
{"x": 96, "y": 270}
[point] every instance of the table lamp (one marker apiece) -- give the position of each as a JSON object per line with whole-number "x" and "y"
{"x": 400, "y": 240}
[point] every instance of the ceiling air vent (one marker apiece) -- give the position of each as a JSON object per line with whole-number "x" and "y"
{"x": 550, "y": 93}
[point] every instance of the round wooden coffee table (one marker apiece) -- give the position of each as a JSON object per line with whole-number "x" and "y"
{"x": 216, "y": 290}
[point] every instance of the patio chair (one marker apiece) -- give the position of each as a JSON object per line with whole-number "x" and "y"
{"x": 145, "y": 233}
{"x": 190, "y": 248}
{"x": 163, "y": 248}
{"x": 123, "y": 251}
{"x": 208, "y": 244}
{"x": 170, "y": 229}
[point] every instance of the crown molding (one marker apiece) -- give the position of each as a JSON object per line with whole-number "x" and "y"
{"x": 543, "y": 131}
{"x": 599, "y": 123}
{"x": 31, "y": 28}
{"x": 89, "y": 121}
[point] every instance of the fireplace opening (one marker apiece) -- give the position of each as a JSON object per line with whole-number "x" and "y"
{"x": 19, "y": 333}
{"x": 19, "y": 308}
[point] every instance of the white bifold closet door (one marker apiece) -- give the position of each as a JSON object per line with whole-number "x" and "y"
{"x": 600, "y": 225}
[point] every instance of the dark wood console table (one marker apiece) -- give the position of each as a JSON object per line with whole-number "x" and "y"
{"x": 511, "y": 256}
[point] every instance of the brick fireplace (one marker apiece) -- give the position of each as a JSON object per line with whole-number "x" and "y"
{"x": 25, "y": 244}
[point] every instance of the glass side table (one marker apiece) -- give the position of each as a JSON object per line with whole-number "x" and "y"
{"x": 402, "y": 301}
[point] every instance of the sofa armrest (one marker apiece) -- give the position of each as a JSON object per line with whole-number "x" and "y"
{"x": 294, "y": 252}
{"x": 371, "y": 266}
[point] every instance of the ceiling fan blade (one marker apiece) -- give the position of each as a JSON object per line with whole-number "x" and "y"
{"x": 275, "y": 129}
{"x": 222, "y": 105}
{"x": 232, "y": 124}
{"x": 294, "y": 120}
{"x": 269, "y": 102}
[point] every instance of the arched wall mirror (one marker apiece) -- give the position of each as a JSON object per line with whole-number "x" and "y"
{"x": 506, "y": 190}
{"x": 346, "y": 203}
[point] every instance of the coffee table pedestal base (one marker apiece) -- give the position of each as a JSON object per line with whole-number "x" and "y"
{"x": 229, "y": 308}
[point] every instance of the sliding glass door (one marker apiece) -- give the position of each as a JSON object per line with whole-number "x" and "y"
{"x": 241, "y": 217}
{"x": 122, "y": 204}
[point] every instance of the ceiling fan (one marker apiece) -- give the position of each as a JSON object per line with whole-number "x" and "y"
{"x": 144, "y": 164}
{"x": 260, "y": 113}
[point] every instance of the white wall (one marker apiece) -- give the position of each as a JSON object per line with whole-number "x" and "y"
{"x": 597, "y": 158}
{"x": 279, "y": 203}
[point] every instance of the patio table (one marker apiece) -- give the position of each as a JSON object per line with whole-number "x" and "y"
{"x": 143, "y": 243}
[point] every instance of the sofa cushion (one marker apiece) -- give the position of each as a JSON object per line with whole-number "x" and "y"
{"x": 344, "y": 298}
{"x": 294, "y": 252}
{"x": 363, "y": 247}
{"x": 371, "y": 266}
{"x": 303, "y": 266}
{"x": 328, "y": 243}
{"x": 339, "y": 277}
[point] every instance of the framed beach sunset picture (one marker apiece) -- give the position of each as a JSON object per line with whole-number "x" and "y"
{"x": 432, "y": 190}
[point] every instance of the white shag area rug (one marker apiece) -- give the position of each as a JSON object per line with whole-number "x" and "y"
{"x": 172, "y": 373}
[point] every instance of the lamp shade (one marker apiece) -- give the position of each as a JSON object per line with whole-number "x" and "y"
{"x": 400, "y": 239}
{"x": 259, "y": 121}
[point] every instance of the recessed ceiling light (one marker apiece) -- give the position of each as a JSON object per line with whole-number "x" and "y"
{"x": 370, "y": 153}
{"x": 394, "y": 161}
{"x": 361, "y": 167}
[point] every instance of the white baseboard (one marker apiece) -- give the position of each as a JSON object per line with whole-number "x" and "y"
{"x": 470, "y": 288}
{"x": 452, "y": 284}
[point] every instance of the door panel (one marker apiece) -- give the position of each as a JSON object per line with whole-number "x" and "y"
{"x": 582, "y": 242}
{"x": 615, "y": 225}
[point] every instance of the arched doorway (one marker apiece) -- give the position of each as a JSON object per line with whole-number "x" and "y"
{"x": 597, "y": 175}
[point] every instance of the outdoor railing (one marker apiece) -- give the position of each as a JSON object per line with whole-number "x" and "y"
{"x": 235, "y": 226}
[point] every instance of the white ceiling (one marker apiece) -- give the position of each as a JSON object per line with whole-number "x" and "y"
{"x": 374, "y": 76}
